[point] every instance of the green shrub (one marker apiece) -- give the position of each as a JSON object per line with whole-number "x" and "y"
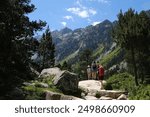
{"x": 125, "y": 81}
{"x": 122, "y": 81}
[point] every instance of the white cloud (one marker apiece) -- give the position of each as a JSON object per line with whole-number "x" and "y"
{"x": 64, "y": 24}
{"x": 82, "y": 12}
{"x": 68, "y": 17}
{"x": 101, "y": 1}
{"x": 93, "y": 12}
{"x": 95, "y": 23}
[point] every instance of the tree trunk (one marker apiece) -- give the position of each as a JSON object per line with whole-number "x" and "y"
{"x": 134, "y": 66}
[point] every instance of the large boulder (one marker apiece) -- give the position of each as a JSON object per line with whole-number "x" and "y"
{"x": 63, "y": 80}
{"x": 50, "y": 72}
{"x": 67, "y": 82}
{"x": 90, "y": 86}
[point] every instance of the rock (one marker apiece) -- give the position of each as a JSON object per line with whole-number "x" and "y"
{"x": 50, "y": 72}
{"x": 122, "y": 97}
{"x": 67, "y": 82}
{"x": 42, "y": 85}
{"x": 57, "y": 96}
{"x": 28, "y": 84}
{"x": 114, "y": 93}
{"x": 67, "y": 97}
{"x": 90, "y": 86}
{"x": 105, "y": 98}
{"x": 90, "y": 98}
{"x": 52, "y": 95}
{"x": 64, "y": 80}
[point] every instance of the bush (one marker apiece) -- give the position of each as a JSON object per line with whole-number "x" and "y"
{"x": 122, "y": 81}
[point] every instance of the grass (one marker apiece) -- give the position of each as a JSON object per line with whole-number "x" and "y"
{"x": 33, "y": 92}
{"x": 71, "y": 56}
{"x": 98, "y": 51}
{"x": 106, "y": 59}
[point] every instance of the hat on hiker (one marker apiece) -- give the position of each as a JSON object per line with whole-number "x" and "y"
{"x": 88, "y": 66}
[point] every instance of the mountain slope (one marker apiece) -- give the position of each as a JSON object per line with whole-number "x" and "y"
{"x": 73, "y": 42}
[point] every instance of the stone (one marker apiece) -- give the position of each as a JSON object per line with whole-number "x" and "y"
{"x": 50, "y": 72}
{"x": 52, "y": 95}
{"x": 67, "y": 82}
{"x": 122, "y": 97}
{"x": 41, "y": 84}
{"x": 90, "y": 86}
{"x": 64, "y": 80}
{"x": 57, "y": 96}
{"x": 90, "y": 98}
{"x": 114, "y": 93}
{"x": 105, "y": 98}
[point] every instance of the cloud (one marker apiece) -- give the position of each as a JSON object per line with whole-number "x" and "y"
{"x": 82, "y": 11}
{"x": 64, "y": 24}
{"x": 101, "y": 1}
{"x": 95, "y": 23}
{"x": 68, "y": 17}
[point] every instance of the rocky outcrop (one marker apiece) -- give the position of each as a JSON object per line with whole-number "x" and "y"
{"x": 57, "y": 96}
{"x": 92, "y": 90}
{"x": 63, "y": 80}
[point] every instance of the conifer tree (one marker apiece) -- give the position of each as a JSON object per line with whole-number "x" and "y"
{"x": 47, "y": 50}
{"x": 16, "y": 31}
{"x": 132, "y": 33}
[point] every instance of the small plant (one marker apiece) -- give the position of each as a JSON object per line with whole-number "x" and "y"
{"x": 97, "y": 95}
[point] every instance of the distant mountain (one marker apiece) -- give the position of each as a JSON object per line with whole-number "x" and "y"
{"x": 72, "y": 42}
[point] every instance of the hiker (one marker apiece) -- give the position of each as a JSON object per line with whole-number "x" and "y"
{"x": 94, "y": 70}
{"x": 89, "y": 72}
{"x": 101, "y": 74}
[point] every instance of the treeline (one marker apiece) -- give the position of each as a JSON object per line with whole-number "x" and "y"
{"x": 132, "y": 32}
{"x": 17, "y": 44}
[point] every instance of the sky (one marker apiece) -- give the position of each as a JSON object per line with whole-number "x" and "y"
{"x": 81, "y": 13}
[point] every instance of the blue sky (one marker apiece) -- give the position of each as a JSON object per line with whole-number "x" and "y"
{"x": 81, "y": 13}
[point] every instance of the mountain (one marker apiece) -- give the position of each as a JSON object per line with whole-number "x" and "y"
{"x": 71, "y": 42}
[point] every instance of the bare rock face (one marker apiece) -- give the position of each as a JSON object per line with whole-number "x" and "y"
{"x": 57, "y": 96}
{"x": 63, "y": 80}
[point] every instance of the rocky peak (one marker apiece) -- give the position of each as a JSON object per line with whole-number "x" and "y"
{"x": 65, "y": 30}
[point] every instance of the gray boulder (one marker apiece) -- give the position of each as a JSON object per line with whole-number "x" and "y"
{"x": 67, "y": 82}
{"x": 63, "y": 80}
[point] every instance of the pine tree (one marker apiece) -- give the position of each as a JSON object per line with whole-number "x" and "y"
{"x": 131, "y": 32}
{"x": 16, "y": 31}
{"x": 47, "y": 50}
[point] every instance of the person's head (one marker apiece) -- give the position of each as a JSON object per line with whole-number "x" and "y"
{"x": 88, "y": 66}
{"x": 100, "y": 65}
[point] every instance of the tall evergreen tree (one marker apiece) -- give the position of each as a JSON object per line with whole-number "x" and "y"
{"x": 131, "y": 32}
{"x": 47, "y": 50}
{"x": 16, "y": 31}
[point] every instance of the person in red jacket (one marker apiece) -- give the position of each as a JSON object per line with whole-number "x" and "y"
{"x": 101, "y": 74}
